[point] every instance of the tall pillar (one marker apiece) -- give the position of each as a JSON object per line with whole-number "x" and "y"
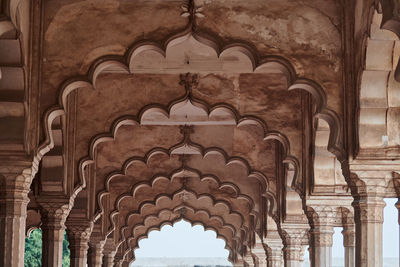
{"x": 349, "y": 245}
{"x": 95, "y": 253}
{"x": 274, "y": 249}
{"x": 260, "y": 254}
{"x": 109, "y": 251}
{"x": 323, "y": 218}
{"x": 369, "y": 185}
{"x": 53, "y": 226}
{"x": 14, "y": 188}
{"x": 108, "y": 259}
{"x": 369, "y": 224}
{"x": 322, "y": 240}
{"x": 118, "y": 260}
{"x": 293, "y": 237}
{"x": 78, "y": 237}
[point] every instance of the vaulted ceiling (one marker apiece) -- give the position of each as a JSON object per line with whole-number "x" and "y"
{"x": 225, "y": 113}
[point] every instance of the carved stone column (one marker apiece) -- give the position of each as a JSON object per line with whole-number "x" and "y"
{"x": 369, "y": 185}
{"x": 239, "y": 262}
{"x": 95, "y": 254}
{"x": 322, "y": 239}
{"x": 109, "y": 251}
{"x": 54, "y": 214}
{"x": 78, "y": 237}
{"x": 274, "y": 249}
{"x": 14, "y": 188}
{"x": 108, "y": 259}
{"x": 118, "y": 259}
{"x": 248, "y": 259}
{"x": 323, "y": 219}
{"x": 293, "y": 238}
{"x": 349, "y": 245}
{"x": 368, "y": 192}
{"x": 260, "y": 254}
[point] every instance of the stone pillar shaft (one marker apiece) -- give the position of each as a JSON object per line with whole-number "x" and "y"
{"x": 14, "y": 189}
{"x": 293, "y": 236}
{"x": 78, "y": 236}
{"x": 349, "y": 245}
{"x": 78, "y": 248}
{"x": 369, "y": 222}
{"x": 108, "y": 259}
{"x": 274, "y": 258}
{"x": 95, "y": 254}
{"x": 52, "y": 249}
{"x": 322, "y": 237}
{"x": 54, "y": 215}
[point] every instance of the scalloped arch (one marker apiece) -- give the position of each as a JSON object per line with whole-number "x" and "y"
{"x": 204, "y": 152}
{"x": 232, "y": 254}
{"x": 243, "y": 229}
{"x": 266, "y": 64}
{"x": 179, "y": 191}
{"x": 205, "y": 224}
{"x": 176, "y": 208}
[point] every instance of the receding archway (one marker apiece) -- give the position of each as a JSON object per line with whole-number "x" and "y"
{"x": 182, "y": 243}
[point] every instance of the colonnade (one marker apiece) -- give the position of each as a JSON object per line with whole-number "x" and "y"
{"x": 362, "y": 231}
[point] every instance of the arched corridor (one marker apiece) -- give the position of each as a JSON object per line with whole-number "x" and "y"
{"x": 272, "y": 123}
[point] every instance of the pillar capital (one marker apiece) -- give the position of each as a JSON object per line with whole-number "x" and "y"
{"x": 293, "y": 238}
{"x": 54, "y": 212}
{"x": 79, "y": 231}
{"x": 349, "y": 235}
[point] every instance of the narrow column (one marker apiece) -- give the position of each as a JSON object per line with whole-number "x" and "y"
{"x": 369, "y": 223}
{"x": 260, "y": 254}
{"x": 274, "y": 249}
{"x": 293, "y": 246}
{"x": 14, "y": 188}
{"x": 78, "y": 237}
{"x": 322, "y": 239}
{"x": 349, "y": 245}
{"x": 53, "y": 227}
{"x": 95, "y": 254}
{"x": 117, "y": 260}
{"x": 109, "y": 251}
{"x": 108, "y": 259}
{"x": 239, "y": 262}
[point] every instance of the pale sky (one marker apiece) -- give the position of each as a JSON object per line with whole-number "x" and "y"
{"x": 183, "y": 240}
